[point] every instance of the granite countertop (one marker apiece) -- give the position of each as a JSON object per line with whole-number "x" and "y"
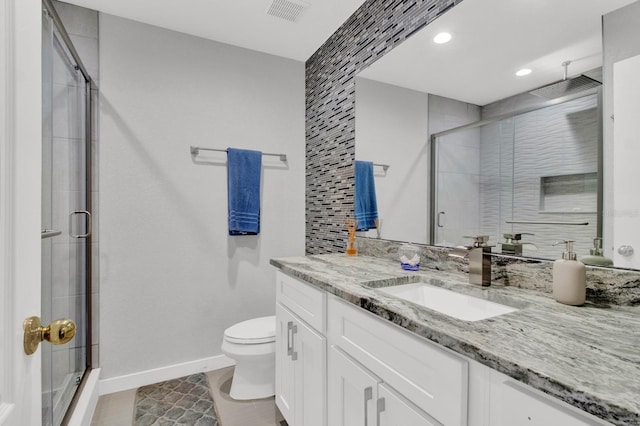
{"x": 587, "y": 356}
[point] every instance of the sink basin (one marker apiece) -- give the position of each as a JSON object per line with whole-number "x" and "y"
{"x": 457, "y": 305}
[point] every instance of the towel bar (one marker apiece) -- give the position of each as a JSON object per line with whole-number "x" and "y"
{"x": 384, "y": 166}
{"x": 524, "y": 222}
{"x": 195, "y": 149}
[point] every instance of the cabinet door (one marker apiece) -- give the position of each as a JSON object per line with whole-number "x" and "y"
{"x": 285, "y": 369}
{"x": 395, "y": 410}
{"x": 309, "y": 359}
{"x": 352, "y": 392}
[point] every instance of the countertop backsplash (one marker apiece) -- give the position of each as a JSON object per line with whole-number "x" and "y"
{"x": 604, "y": 285}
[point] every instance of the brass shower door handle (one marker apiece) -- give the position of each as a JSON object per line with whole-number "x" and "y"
{"x": 59, "y": 332}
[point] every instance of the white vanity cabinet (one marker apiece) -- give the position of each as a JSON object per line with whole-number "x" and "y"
{"x": 416, "y": 382}
{"x": 340, "y": 365}
{"x": 300, "y": 352}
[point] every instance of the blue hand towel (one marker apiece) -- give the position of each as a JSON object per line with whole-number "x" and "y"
{"x": 366, "y": 206}
{"x": 244, "y": 168}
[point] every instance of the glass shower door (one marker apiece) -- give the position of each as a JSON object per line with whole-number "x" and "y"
{"x": 473, "y": 183}
{"x": 66, "y": 223}
{"x": 457, "y": 195}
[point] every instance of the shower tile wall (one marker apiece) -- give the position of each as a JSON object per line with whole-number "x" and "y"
{"x": 496, "y": 197}
{"x": 553, "y": 142}
{"x": 375, "y": 28}
{"x": 82, "y": 26}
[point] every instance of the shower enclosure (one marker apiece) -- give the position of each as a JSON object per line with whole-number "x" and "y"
{"x": 66, "y": 216}
{"x": 534, "y": 173}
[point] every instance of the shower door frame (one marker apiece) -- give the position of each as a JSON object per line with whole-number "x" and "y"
{"x": 89, "y": 85}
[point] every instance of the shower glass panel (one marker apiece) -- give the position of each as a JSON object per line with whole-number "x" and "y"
{"x": 474, "y": 175}
{"x": 65, "y": 222}
{"x": 534, "y": 174}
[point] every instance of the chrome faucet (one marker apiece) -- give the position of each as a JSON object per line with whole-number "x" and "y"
{"x": 479, "y": 264}
{"x": 513, "y": 243}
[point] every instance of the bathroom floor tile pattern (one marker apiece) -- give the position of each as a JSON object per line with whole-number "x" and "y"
{"x": 183, "y": 401}
{"x": 253, "y": 412}
{"x": 117, "y": 409}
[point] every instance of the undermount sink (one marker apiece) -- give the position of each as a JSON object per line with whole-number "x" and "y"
{"x": 457, "y": 305}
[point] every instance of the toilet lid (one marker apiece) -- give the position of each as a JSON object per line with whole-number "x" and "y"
{"x": 253, "y": 331}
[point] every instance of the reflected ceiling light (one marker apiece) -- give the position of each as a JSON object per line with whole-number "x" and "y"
{"x": 442, "y": 38}
{"x": 523, "y": 72}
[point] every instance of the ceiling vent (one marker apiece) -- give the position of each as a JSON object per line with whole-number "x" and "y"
{"x": 289, "y": 10}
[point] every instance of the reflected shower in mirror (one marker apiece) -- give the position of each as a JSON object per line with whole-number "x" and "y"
{"x": 521, "y": 180}
{"x": 516, "y": 157}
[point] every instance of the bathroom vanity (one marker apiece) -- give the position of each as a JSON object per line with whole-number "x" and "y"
{"x": 350, "y": 354}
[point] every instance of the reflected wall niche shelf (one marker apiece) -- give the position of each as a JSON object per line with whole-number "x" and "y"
{"x": 569, "y": 194}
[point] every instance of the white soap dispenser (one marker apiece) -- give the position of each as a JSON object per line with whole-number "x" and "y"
{"x": 569, "y": 278}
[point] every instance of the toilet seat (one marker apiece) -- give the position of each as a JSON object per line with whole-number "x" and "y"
{"x": 252, "y": 332}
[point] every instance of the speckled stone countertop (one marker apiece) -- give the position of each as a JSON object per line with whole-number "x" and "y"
{"x": 587, "y": 356}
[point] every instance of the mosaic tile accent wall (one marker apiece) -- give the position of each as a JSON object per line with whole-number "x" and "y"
{"x": 374, "y": 29}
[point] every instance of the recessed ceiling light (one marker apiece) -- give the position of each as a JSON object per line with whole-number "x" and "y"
{"x": 442, "y": 38}
{"x": 523, "y": 72}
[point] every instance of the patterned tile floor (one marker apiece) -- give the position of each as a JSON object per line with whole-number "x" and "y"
{"x": 118, "y": 409}
{"x": 253, "y": 412}
{"x": 183, "y": 401}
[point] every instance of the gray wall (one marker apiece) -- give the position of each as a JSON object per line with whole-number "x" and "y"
{"x": 621, "y": 33}
{"x": 171, "y": 278}
{"x": 392, "y": 128}
{"x": 375, "y": 28}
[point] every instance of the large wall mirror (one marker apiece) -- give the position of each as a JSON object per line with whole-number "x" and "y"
{"x": 521, "y": 127}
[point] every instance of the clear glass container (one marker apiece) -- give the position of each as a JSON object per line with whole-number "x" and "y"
{"x": 409, "y": 257}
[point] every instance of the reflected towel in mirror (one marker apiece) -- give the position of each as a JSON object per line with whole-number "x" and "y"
{"x": 366, "y": 206}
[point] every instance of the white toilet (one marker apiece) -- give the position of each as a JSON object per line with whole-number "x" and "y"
{"x": 252, "y": 344}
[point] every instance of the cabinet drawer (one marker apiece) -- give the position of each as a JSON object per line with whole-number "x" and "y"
{"x": 514, "y": 404}
{"x": 307, "y": 302}
{"x": 427, "y": 375}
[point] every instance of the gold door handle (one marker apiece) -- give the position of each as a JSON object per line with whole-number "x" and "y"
{"x": 58, "y": 332}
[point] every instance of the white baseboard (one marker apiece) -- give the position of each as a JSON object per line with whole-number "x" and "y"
{"x": 83, "y": 412}
{"x": 143, "y": 378}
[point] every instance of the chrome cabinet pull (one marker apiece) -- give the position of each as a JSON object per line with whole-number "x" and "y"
{"x": 368, "y": 395}
{"x": 89, "y": 224}
{"x": 289, "y": 345}
{"x": 294, "y": 354}
{"x": 380, "y": 407}
{"x": 291, "y": 330}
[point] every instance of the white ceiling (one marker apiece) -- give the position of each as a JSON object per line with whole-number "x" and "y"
{"x": 492, "y": 39}
{"x": 242, "y": 23}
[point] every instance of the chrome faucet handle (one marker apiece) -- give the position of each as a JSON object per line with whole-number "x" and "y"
{"x": 519, "y": 235}
{"x": 479, "y": 240}
{"x": 515, "y": 237}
